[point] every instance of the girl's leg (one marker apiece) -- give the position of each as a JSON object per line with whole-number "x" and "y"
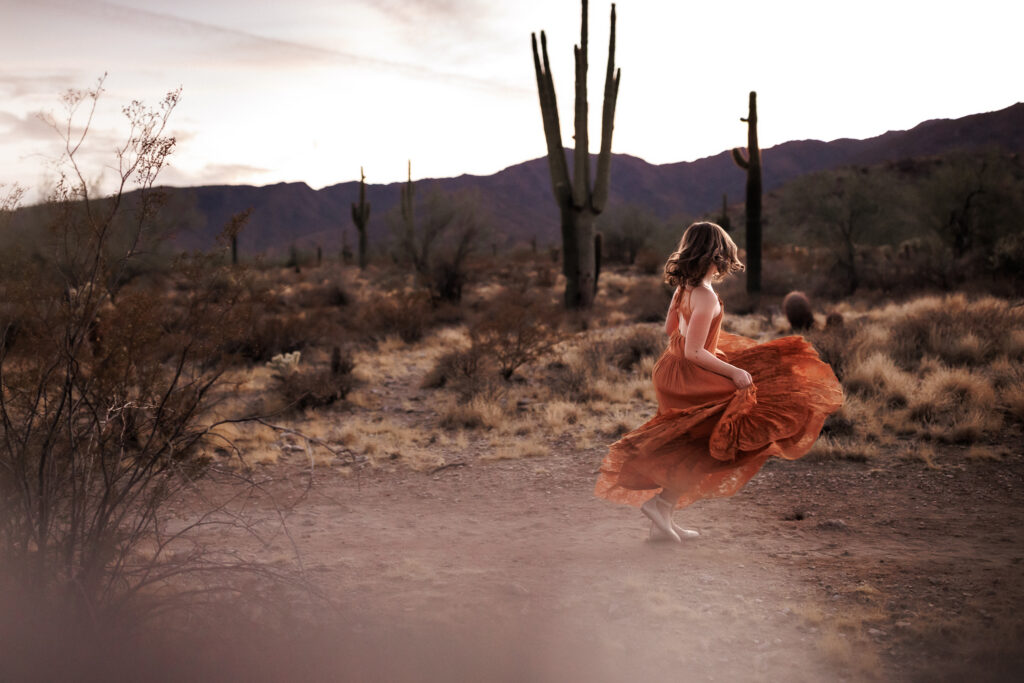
{"x": 666, "y": 501}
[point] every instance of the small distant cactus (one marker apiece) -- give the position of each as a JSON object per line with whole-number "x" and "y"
{"x": 751, "y": 163}
{"x": 361, "y": 217}
{"x": 798, "y": 311}
{"x": 723, "y": 218}
{"x": 284, "y": 363}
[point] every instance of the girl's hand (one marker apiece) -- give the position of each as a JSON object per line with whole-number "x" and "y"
{"x": 742, "y": 379}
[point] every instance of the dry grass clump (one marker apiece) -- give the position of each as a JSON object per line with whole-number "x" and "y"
{"x": 941, "y": 368}
{"x": 955, "y": 330}
{"x": 385, "y": 441}
{"x": 479, "y": 412}
{"x": 515, "y": 329}
{"x": 528, "y": 446}
{"x": 407, "y": 314}
{"x": 1013, "y": 401}
{"x": 844, "y": 448}
{"x": 628, "y": 350}
{"x": 878, "y": 376}
{"x": 952, "y": 405}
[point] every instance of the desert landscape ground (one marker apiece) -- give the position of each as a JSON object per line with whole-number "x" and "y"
{"x": 448, "y": 537}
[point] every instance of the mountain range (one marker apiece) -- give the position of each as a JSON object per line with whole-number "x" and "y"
{"x": 518, "y": 200}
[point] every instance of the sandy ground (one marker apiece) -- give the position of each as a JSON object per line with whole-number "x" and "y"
{"x": 819, "y": 570}
{"x": 816, "y": 571}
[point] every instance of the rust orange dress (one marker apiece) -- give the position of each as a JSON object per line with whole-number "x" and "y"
{"x": 709, "y": 438}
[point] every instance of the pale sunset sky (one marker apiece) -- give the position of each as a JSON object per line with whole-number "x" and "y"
{"x": 310, "y": 90}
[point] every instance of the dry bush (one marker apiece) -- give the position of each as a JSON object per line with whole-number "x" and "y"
{"x": 407, "y": 314}
{"x": 1013, "y": 401}
{"x": 478, "y": 412}
{"x": 516, "y": 328}
{"x": 529, "y": 446}
{"x": 955, "y": 404}
{"x": 313, "y": 387}
{"x": 834, "y": 346}
{"x": 878, "y": 376}
{"x": 648, "y": 301}
{"x": 329, "y": 292}
{"x": 629, "y": 350}
{"x": 649, "y": 262}
{"x": 101, "y": 393}
{"x": 955, "y": 330}
{"x": 270, "y": 333}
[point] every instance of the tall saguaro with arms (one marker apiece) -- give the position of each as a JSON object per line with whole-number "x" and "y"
{"x": 752, "y": 165}
{"x": 578, "y": 202}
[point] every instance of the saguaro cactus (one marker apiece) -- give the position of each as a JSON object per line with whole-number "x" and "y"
{"x": 361, "y": 216}
{"x": 751, "y": 163}
{"x": 408, "y": 205}
{"x": 577, "y": 202}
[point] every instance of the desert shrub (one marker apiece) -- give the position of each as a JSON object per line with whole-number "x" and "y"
{"x": 514, "y": 329}
{"x": 570, "y": 381}
{"x": 833, "y": 345}
{"x": 478, "y": 412}
{"x": 271, "y": 333}
{"x": 953, "y": 329}
{"x": 407, "y": 314}
{"x": 878, "y": 376}
{"x": 649, "y": 262}
{"x": 955, "y": 404}
{"x": 627, "y": 351}
{"x": 328, "y": 293}
{"x": 545, "y": 276}
{"x": 101, "y": 392}
{"x": 466, "y": 371}
{"x": 1013, "y": 401}
{"x": 648, "y": 300}
{"x": 1008, "y": 256}
{"x": 313, "y": 387}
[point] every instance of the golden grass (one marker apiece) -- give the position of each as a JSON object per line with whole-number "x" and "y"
{"x": 1012, "y": 399}
{"x": 387, "y": 440}
{"x": 950, "y": 392}
{"x": 844, "y": 449}
{"x": 480, "y": 412}
{"x": 557, "y": 415}
{"x": 844, "y": 637}
{"x": 529, "y": 446}
{"x": 877, "y": 375}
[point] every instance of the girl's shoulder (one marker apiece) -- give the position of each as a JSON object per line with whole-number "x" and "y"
{"x": 704, "y": 298}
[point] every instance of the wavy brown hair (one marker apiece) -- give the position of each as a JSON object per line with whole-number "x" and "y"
{"x": 703, "y": 244}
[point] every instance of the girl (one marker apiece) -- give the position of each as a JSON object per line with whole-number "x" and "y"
{"x": 725, "y": 403}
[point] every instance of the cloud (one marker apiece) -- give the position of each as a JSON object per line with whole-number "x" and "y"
{"x": 15, "y": 86}
{"x": 30, "y": 127}
{"x": 258, "y": 49}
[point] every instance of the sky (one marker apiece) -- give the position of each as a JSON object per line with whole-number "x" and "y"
{"x": 312, "y": 90}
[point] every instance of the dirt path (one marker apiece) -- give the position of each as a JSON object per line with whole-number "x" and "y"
{"x": 817, "y": 571}
{"x": 512, "y": 570}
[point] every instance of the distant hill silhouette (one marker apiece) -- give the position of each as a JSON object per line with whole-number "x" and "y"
{"x": 519, "y": 197}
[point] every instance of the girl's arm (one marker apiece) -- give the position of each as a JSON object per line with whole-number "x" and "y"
{"x": 672, "y": 319}
{"x": 703, "y": 302}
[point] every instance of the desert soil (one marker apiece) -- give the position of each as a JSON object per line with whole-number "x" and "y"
{"x": 819, "y": 570}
